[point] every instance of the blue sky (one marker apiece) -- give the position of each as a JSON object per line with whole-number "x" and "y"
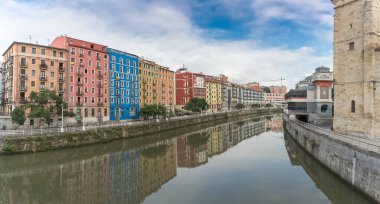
{"x": 248, "y": 40}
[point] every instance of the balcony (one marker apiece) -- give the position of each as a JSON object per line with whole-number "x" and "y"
{"x": 23, "y": 76}
{"x": 79, "y": 103}
{"x": 144, "y": 81}
{"x": 61, "y": 69}
{"x": 81, "y": 64}
{"x": 61, "y": 79}
{"x": 79, "y": 74}
{"x": 100, "y": 104}
{"x": 79, "y": 93}
{"x": 79, "y": 83}
{"x": 98, "y": 67}
{"x": 61, "y": 90}
{"x": 81, "y": 55}
{"x": 98, "y": 58}
{"x": 23, "y": 88}
{"x": 43, "y": 78}
{"x": 43, "y": 66}
{"x": 24, "y": 65}
{"x": 22, "y": 100}
{"x": 100, "y": 76}
{"x": 100, "y": 85}
{"x": 100, "y": 95}
{"x": 42, "y": 88}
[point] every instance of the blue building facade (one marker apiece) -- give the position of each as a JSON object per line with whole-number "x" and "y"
{"x": 124, "y": 85}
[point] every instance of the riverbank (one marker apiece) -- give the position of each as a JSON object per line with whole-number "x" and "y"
{"x": 355, "y": 160}
{"x": 47, "y": 141}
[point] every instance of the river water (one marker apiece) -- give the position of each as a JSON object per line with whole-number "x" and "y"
{"x": 246, "y": 161}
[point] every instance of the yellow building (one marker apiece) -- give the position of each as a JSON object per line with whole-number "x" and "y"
{"x": 156, "y": 84}
{"x": 213, "y": 94}
{"x": 31, "y": 67}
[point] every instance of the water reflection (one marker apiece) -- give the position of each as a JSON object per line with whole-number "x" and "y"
{"x": 332, "y": 186}
{"x": 126, "y": 176}
{"x": 130, "y": 171}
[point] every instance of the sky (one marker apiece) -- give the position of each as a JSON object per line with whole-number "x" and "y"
{"x": 247, "y": 40}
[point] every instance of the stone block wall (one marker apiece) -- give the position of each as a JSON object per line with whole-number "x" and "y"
{"x": 356, "y": 166}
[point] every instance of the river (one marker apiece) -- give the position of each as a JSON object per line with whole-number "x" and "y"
{"x": 250, "y": 160}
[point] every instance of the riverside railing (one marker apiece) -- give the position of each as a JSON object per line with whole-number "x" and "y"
{"x": 57, "y": 130}
{"x": 360, "y": 142}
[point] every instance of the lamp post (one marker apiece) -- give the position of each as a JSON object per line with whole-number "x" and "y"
{"x": 84, "y": 110}
{"x": 62, "y": 130}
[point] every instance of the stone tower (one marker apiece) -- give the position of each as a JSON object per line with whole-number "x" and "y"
{"x": 357, "y": 67}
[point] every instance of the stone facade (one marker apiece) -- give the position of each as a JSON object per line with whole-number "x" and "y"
{"x": 357, "y": 67}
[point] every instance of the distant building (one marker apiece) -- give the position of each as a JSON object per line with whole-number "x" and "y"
{"x": 87, "y": 78}
{"x": 276, "y": 95}
{"x": 313, "y": 102}
{"x": 188, "y": 86}
{"x": 124, "y": 85}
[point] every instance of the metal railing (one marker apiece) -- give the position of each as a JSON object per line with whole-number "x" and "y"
{"x": 360, "y": 142}
{"x": 57, "y": 130}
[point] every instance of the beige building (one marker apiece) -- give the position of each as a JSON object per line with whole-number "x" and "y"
{"x": 156, "y": 84}
{"x": 31, "y": 67}
{"x": 213, "y": 94}
{"x": 357, "y": 67}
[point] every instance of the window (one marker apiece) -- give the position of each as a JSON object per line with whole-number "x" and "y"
{"x": 351, "y": 45}
{"x": 51, "y": 85}
{"x": 352, "y": 106}
{"x": 33, "y": 72}
{"x": 89, "y": 53}
{"x": 43, "y": 52}
{"x": 61, "y": 54}
{"x": 72, "y": 51}
{"x": 54, "y": 53}
{"x": 71, "y": 79}
{"x": 324, "y": 108}
{"x": 34, "y": 50}
{"x": 33, "y": 61}
{"x": 51, "y": 74}
{"x": 52, "y": 63}
{"x": 32, "y": 83}
{"x": 23, "y": 49}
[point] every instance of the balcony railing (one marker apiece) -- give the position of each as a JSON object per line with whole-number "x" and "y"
{"x": 81, "y": 64}
{"x": 61, "y": 79}
{"x": 100, "y": 104}
{"x": 42, "y": 89}
{"x": 81, "y": 55}
{"x": 43, "y": 78}
{"x": 100, "y": 76}
{"x": 22, "y": 100}
{"x": 100, "y": 95}
{"x": 61, "y": 69}
{"x": 100, "y": 85}
{"x": 79, "y": 83}
{"x": 23, "y": 76}
{"x": 43, "y": 66}
{"x": 79, "y": 93}
{"x": 79, "y": 74}
{"x": 98, "y": 58}
{"x": 98, "y": 67}
{"x": 23, "y": 88}
{"x": 61, "y": 90}
{"x": 23, "y": 65}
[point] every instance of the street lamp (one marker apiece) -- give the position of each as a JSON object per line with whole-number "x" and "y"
{"x": 84, "y": 110}
{"x": 62, "y": 130}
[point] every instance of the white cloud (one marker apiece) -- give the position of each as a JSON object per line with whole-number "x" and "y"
{"x": 162, "y": 32}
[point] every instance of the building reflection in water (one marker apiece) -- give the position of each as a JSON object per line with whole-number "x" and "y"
{"x": 127, "y": 176}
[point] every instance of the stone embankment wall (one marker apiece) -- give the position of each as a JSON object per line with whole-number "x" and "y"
{"x": 24, "y": 144}
{"x": 356, "y": 165}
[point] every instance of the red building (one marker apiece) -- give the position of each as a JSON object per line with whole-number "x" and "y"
{"x": 87, "y": 78}
{"x": 188, "y": 86}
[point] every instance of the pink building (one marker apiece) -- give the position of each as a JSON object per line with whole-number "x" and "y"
{"x": 87, "y": 79}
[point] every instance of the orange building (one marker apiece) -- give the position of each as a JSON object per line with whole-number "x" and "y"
{"x": 31, "y": 67}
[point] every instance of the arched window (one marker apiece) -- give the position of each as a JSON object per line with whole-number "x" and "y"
{"x": 352, "y": 106}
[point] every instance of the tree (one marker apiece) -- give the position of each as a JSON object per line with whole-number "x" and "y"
{"x": 255, "y": 105}
{"x": 266, "y": 89}
{"x": 152, "y": 110}
{"x": 196, "y": 105}
{"x": 268, "y": 105}
{"x": 239, "y": 106}
{"x": 45, "y": 105}
{"x": 18, "y": 116}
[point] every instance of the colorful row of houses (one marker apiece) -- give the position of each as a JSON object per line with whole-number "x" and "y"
{"x": 102, "y": 84}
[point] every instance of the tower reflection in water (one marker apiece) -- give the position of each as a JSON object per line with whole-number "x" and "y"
{"x": 125, "y": 176}
{"x": 332, "y": 186}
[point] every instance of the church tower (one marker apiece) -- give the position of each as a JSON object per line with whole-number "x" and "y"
{"x": 357, "y": 67}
